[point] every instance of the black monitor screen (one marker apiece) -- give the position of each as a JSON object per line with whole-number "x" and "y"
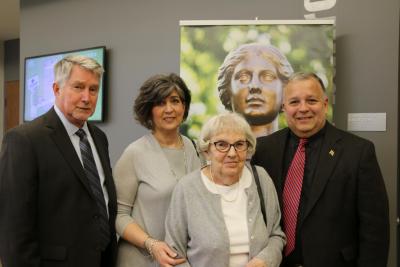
{"x": 39, "y": 78}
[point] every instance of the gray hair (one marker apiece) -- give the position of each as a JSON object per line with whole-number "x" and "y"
{"x": 302, "y": 76}
{"x": 224, "y": 123}
{"x": 62, "y": 69}
{"x": 268, "y": 52}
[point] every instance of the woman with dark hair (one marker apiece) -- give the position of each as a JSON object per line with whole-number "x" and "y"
{"x": 148, "y": 170}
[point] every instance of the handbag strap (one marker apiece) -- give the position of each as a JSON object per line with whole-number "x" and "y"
{"x": 260, "y": 195}
{"x": 195, "y": 147}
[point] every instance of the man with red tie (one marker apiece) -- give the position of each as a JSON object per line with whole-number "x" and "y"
{"x": 332, "y": 195}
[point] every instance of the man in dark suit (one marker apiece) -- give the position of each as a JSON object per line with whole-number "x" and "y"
{"x": 340, "y": 217}
{"x": 57, "y": 195}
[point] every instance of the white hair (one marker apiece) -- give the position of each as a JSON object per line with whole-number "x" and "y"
{"x": 225, "y": 123}
{"x": 62, "y": 69}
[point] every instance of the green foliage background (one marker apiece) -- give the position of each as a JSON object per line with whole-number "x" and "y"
{"x": 308, "y": 47}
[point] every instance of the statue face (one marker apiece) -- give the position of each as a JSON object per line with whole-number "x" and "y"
{"x": 256, "y": 90}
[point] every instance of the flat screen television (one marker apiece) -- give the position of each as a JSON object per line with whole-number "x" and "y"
{"x": 39, "y": 78}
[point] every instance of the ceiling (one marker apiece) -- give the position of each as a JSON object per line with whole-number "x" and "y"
{"x": 9, "y": 20}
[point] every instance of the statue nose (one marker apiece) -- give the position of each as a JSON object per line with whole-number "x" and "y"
{"x": 255, "y": 89}
{"x": 255, "y": 85}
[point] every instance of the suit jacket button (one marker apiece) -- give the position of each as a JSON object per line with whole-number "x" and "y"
{"x": 95, "y": 217}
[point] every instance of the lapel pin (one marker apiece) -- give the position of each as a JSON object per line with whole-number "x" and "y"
{"x": 332, "y": 153}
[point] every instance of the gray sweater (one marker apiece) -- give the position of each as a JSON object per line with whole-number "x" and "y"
{"x": 195, "y": 225}
{"x": 144, "y": 181}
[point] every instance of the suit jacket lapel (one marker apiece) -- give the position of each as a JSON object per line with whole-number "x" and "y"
{"x": 105, "y": 163}
{"x": 329, "y": 155}
{"x": 101, "y": 151}
{"x": 278, "y": 146}
{"x": 63, "y": 142}
{"x": 279, "y": 154}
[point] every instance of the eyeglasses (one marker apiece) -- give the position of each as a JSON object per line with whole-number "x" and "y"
{"x": 239, "y": 146}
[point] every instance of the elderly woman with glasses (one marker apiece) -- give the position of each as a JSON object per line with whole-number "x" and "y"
{"x": 215, "y": 216}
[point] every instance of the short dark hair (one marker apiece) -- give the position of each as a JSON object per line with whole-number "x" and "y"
{"x": 302, "y": 76}
{"x": 153, "y": 91}
{"x": 235, "y": 56}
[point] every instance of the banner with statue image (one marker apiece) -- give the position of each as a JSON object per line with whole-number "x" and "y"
{"x": 242, "y": 66}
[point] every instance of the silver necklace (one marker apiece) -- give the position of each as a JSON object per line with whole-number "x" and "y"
{"x": 184, "y": 154}
{"x": 184, "y": 159}
{"x": 221, "y": 194}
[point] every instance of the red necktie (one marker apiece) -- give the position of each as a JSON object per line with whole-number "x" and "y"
{"x": 291, "y": 195}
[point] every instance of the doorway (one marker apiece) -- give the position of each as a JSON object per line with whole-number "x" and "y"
{"x": 11, "y": 104}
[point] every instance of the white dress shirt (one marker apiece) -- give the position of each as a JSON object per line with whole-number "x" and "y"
{"x": 71, "y": 130}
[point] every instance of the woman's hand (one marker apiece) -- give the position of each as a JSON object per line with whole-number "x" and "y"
{"x": 255, "y": 262}
{"x": 165, "y": 256}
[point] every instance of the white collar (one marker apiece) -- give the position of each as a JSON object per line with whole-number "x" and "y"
{"x": 71, "y": 128}
{"x": 244, "y": 182}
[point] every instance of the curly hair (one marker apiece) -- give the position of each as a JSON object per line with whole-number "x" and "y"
{"x": 234, "y": 57}
{"x": 153, "y": 91}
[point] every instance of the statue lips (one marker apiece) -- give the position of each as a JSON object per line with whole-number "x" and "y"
{"x": 255, "y": 100}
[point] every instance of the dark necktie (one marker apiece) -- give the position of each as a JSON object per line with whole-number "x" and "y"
{"x": 94, "y": 181}
{"x": 291, "y": 195}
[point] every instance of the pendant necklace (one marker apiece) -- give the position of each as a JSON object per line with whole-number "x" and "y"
{"x": 184, "y": 159}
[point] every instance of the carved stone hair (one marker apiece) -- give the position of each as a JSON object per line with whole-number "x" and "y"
{"x": 268, "y": 52}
